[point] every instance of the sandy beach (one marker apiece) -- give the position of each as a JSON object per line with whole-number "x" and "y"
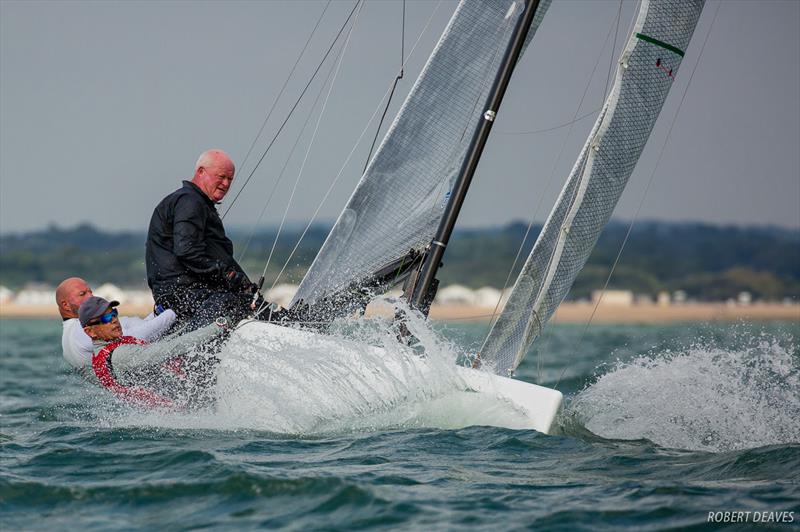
{"x": 691, "y": 312}
{"x": 567, "y": 313}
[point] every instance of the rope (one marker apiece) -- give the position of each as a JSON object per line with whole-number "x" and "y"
{"x": 286, "y": 164}
{"x": 489, "y": 74}
{"x": 349, "y": 156}
{"x": 285, "y": 83}
{"x": 394, "y": 86}
{"x": 553, "y": 128}
{"x": 613, "y": 54}
{"x": 548, "y": 340}
{"x": 647, "y": 188}
{"x": 291, "y": 111}
{"x": 311, "y": 143}
{"x": 551, "y": 176}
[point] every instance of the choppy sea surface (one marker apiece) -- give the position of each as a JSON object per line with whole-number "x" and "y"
{"x": 662, "y": 425}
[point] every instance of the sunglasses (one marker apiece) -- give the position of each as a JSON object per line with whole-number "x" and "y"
{"x": 105, "y": 318}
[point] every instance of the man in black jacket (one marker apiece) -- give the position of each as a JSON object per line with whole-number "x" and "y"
{"x": 190, "y": 264}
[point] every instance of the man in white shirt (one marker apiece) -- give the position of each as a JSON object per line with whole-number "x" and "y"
{"x": 76, "y": 344}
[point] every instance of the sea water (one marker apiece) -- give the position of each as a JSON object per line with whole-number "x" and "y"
{"x": 664, "y": 426}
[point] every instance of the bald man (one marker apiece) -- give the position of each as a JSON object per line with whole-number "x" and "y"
{"x": 189, "y": 258}
{"x": 76, "y": 345}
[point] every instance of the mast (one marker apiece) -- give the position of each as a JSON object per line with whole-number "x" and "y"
{"x": 427, "y": 274}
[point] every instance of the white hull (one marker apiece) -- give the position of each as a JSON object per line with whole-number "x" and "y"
{"x": 537, "y": 405}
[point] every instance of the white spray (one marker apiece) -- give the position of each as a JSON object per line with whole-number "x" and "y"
{"x": 358, "y": 377}
{"x": 702, "y": 398}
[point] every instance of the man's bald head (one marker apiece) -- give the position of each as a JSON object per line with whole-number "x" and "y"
{"x": 213, "y": 174}
{"x": 69, "y": 296}
{"x": 213, "y": 157}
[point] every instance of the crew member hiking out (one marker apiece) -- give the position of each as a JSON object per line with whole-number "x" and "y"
{"x": 175, "y": 372}
{"x": 77, "y": 347}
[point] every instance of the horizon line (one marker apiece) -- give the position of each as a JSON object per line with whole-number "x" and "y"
{"x": 296, "y": 225}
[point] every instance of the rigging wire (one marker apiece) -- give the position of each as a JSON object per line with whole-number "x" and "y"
{"x": 288, "y": 159}
{"x": 394, "y": 86}
{"x": 647, "y": 188}
{"x": 285, "y": 83}
{"x": 575, "y": 119}
{"x": 493, "y": 66}
{"x": 605, "y": 91}
{"x": 550, "y": 177}
{"x": 606, "y": 88}
{"x": 349, "y": 156}
{"x": 311, "y": 142}
{"x": 613, "y": 54}
{"x": 291, "y": 111}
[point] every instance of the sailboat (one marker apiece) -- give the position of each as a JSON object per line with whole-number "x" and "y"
{"x": 396, "y": 225}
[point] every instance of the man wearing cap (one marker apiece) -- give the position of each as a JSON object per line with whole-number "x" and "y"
{"x": 189, "y": 258}
{"x": 76, "y": 345}
{"x": 149, "y": 374}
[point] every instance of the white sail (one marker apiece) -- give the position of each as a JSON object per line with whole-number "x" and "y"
{"x": 647, "y": 67}
{"x": 399, "y": 201}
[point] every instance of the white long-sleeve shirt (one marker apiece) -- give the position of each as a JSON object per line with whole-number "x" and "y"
{"x": 77, "y": 346}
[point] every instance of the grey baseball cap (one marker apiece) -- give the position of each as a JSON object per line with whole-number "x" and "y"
{"x": 93, "y": 308}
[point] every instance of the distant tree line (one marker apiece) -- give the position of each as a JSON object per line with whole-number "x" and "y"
{"x": 708, "y": 262}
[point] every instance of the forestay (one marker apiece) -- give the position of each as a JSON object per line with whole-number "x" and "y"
{"x": 399, "y": 201}
{"x": 647, "y": 67}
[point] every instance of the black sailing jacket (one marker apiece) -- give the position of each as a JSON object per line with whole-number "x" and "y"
{"x": 186, "y": 244}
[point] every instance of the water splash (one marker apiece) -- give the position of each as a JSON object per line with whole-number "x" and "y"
{"x": 701, "y": 398}
{"x": 357, "y": 378}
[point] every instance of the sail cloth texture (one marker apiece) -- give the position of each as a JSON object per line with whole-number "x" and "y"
{"x": 399, "y": 201}
{"x": 647, "y": 67}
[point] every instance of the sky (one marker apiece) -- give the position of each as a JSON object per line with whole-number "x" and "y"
{"x": 105, "y": 106}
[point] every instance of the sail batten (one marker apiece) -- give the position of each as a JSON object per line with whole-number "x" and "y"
{"x": 644, "y": 76}
{"x": 400, "y": 199}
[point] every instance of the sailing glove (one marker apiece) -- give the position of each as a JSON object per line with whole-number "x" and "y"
{"x": 237, "y": 281}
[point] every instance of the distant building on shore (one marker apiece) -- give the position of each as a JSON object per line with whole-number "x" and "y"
{"x": 744, "y": 298}
{"x": 36, "y": 294}
{"x": 111, "y": 292}
{"x": 487, "y": 297}
{"x": 663, "y": 299}
{"x": 679, "y": 297}
{"x": 619, "y": 298}
{"x": 6, "y": 295}
{"x": 455, "y": 294}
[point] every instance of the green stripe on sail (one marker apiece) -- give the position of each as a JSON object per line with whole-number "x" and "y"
{"x": 662, "y": 44}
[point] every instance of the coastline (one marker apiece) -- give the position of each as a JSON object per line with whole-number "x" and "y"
{"x": 582, "y": 312}
{"x": 568, "y": 312}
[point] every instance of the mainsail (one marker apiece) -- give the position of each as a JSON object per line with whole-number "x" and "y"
{"x": 399, "y": 201}
{"x": 647, "y": 67}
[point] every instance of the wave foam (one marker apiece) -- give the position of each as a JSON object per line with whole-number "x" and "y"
{"x": 703, "y": 398}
